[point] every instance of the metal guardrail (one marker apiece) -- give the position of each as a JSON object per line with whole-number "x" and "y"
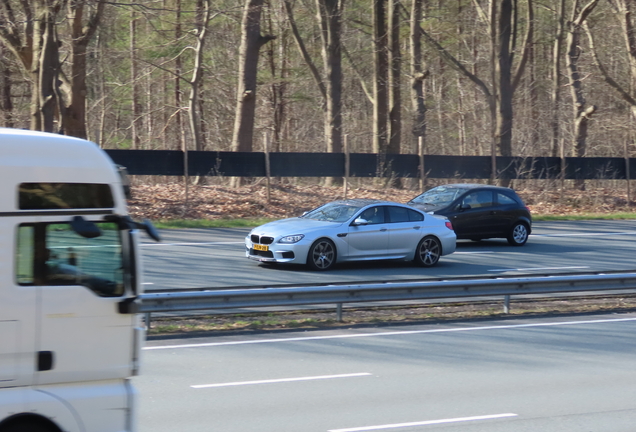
{"x": 379, "y": 292}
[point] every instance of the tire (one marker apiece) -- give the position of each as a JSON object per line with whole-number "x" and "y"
{"x": 29, "y": 427}
{"x": 518, "y": 235}
{"x": 322, "y": 255}
{"x": 428, "y": 252}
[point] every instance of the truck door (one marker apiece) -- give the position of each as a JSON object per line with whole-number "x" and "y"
{"x": 18, "y": 297}
{"x": 81, "y": 282}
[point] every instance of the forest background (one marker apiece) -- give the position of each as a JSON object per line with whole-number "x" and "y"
{"x": 449, "y": 77}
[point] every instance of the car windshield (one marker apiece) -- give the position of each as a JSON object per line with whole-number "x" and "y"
{"x": 439, "y": 196}
{"x": 333, "y": 212}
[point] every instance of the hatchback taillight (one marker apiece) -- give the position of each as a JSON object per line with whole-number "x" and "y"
{"x": 449, "y": 225}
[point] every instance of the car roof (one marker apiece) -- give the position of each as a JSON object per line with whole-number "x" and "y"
{"x": 364, "y": 201}
{"x": 475, "y": 186}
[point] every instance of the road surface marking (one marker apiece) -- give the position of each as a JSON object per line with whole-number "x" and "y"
{"x": 194, "y": 244}
{"x": 539, "y": 268}
{"x": 282, "y": 380}
{"x": 585, "y": 234}
{"x": 393, "y": 333}
{"x": 425, "y": 423}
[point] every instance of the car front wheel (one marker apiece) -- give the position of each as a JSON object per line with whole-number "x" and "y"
{"x": 322, "y": 255}
{"x": 428, "y": 252}
{"x": 518, "y": 234}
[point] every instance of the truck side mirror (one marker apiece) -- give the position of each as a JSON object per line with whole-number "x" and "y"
{"x": 86, "y": 229}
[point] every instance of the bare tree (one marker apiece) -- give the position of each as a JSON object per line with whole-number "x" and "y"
{"x": 197, "y": 75}
{"x": 582, "y": 111}
{"x": 419, "y": 72}
{"x": 251, "y": 43}
{"x": 395, "y": 78}
{"x": 380, "y": 79}
{"x": 503, "y": 30}
{"x": 624, "y": 12}
{"x": 555, "y": 95}
{"x": 134, "y": 82}
{"x": 330, "y": 17}
{"x": 84, "y": 18}
{"x": 6, "y": 100}
{"x": 54, "y": 95}
{"x": 330, "y": 87}
{"x": 625, "y": 15}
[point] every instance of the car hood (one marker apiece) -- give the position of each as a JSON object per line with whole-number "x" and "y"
{"x": 293, "y": 226}
{"x": 427, "y": 207}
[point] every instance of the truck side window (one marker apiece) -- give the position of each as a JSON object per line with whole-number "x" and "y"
{"x": 56, "y": 255}
{"x": 25, "y": 247}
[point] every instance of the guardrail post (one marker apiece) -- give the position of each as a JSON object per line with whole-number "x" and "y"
{"x": 507, "y": 304}
{"x": 339, "y": 312}
{"x": 147, "y": 320}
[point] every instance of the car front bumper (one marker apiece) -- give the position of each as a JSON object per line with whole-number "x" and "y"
{"x": 278, "y": 253}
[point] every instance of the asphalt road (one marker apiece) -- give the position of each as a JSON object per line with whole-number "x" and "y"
{"x": 197, "y": 258}
{"x": 549, "y": 375}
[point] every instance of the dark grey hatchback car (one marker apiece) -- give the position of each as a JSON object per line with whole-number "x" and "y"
{"x": 479, "y": 211}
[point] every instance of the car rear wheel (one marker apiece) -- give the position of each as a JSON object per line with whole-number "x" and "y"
{"x": 428, "y": 252}
{"x": 518, "y": 234}
{"x": 322, "y": 255}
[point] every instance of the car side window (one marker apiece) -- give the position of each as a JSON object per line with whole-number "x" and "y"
{"x": 415, "y": 216}
{"x": 478, "y": 199}
{"x": 398, "y": 214}
{"x": 504, "y": 199}
{"x": 373, "y": 215}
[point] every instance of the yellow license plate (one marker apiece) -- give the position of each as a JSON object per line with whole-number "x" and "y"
{"x": 263, "y": 248}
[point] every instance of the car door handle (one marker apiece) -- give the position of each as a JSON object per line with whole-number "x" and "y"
{"x": 382, "y": 229}
{"x": 416, "y": 227}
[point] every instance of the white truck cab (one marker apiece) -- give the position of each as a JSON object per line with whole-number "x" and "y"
{"x": 69, "y": 269}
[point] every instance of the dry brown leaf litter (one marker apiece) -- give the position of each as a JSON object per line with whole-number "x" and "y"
{"x": 168, "y": 201}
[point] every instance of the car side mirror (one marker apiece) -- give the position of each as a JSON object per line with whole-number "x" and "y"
{"x": 463, "y": 207}
{"x": 360, "y": 221}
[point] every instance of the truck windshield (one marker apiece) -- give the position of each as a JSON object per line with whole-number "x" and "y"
{"x": 53, "y": 254}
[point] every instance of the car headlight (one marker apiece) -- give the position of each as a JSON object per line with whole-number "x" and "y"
{"x": 291, "y": 238}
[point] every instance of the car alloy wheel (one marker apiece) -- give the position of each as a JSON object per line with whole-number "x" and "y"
{"x": 322, "y": 255}
{"x": 518, "y": 234}
{"x": 428, "y": 252}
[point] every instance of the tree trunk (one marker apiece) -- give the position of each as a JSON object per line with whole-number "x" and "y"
{"x": 197, "y": 75}
{"x": 330, "y": 13}
{"x": 5, "y": 89}
{"x": 504, "y": 85}
{"x": 581, "y": 111}
{"x": 76, "y": 91}
{"x": 251, "y": 43}
{"x": 134, "y": 82}
{"x": 555, "y": 96}
{"x": 48, "y": 68}
{"x": 380, "y": 81}
{"x": 395, "y": 75}
{"x": 419, "y": 73}
{"x": 178, "y": 95}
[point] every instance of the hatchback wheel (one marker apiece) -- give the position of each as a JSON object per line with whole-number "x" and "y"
{"x": 428, "y": 252}
{"x": 322, "y": 255}
{"x": 518, "y": 234}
